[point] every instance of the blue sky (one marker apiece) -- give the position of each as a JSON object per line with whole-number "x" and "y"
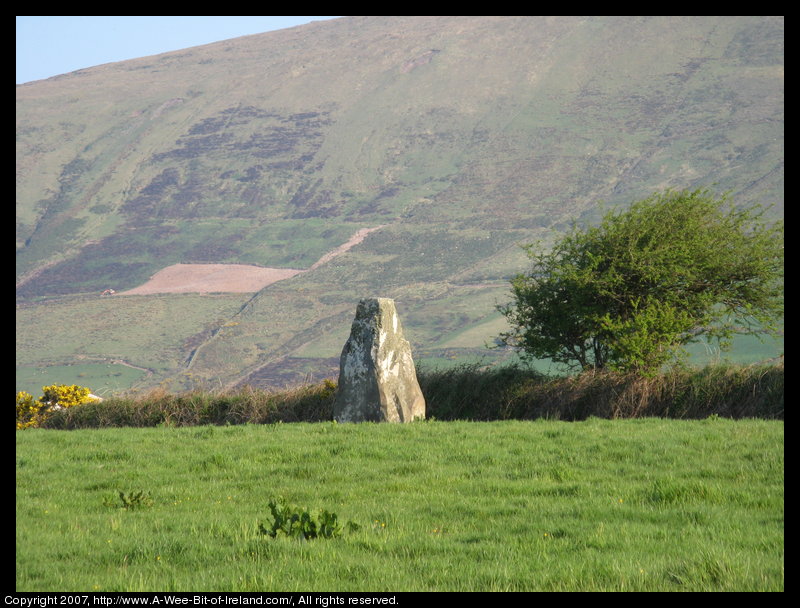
{"x": 48, "y": 46}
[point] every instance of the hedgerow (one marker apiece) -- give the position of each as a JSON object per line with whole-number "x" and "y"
{"x": 467, "y": 392}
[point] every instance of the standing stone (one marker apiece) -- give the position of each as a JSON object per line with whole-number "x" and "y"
{"x": 377, "y": 379}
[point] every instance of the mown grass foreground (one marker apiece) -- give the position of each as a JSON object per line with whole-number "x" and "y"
{"x": 643, "y": 504}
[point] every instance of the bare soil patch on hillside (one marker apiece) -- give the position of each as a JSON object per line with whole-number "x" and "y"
{"x": 229, "y": 278}
{"x": 210, "y": 278}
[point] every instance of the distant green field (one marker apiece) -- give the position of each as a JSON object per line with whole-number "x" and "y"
{"x": 102, "y": 378}
{"x": 600, "y": 505}
{"x": 745, "y": 350}
{"x": 59, "y": 339}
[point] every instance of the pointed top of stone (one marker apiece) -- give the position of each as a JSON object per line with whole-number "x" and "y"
{"x": 366, "y": 305}
{"x": 377, "y": 309}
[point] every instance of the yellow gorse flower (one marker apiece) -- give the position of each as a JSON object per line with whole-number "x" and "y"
{"x": 31, "y": 414}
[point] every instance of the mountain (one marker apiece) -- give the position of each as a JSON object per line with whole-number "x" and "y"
{"x": 443, "y": 142}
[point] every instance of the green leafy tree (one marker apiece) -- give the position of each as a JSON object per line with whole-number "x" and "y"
{"x": 631, "y": 292}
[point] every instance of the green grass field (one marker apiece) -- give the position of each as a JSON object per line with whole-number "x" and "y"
{"x": 624, "y": 505}
{"x": 104, "y": 378}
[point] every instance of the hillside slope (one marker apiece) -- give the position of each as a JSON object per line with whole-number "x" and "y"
{"x": 459, "y": 137}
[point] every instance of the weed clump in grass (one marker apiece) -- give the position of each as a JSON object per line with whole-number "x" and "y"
{"x": 130, "y": 501}
{"x": 298, "y": 522}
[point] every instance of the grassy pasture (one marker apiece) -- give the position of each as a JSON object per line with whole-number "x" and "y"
{"x": 624, "y": 505}
{"x": 104, "y": 378}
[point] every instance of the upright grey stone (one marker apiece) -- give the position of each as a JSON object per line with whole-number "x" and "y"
{"x": 377, "y": 379}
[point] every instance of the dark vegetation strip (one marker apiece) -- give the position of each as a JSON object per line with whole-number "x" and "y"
{"x": 468, "y": 392}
